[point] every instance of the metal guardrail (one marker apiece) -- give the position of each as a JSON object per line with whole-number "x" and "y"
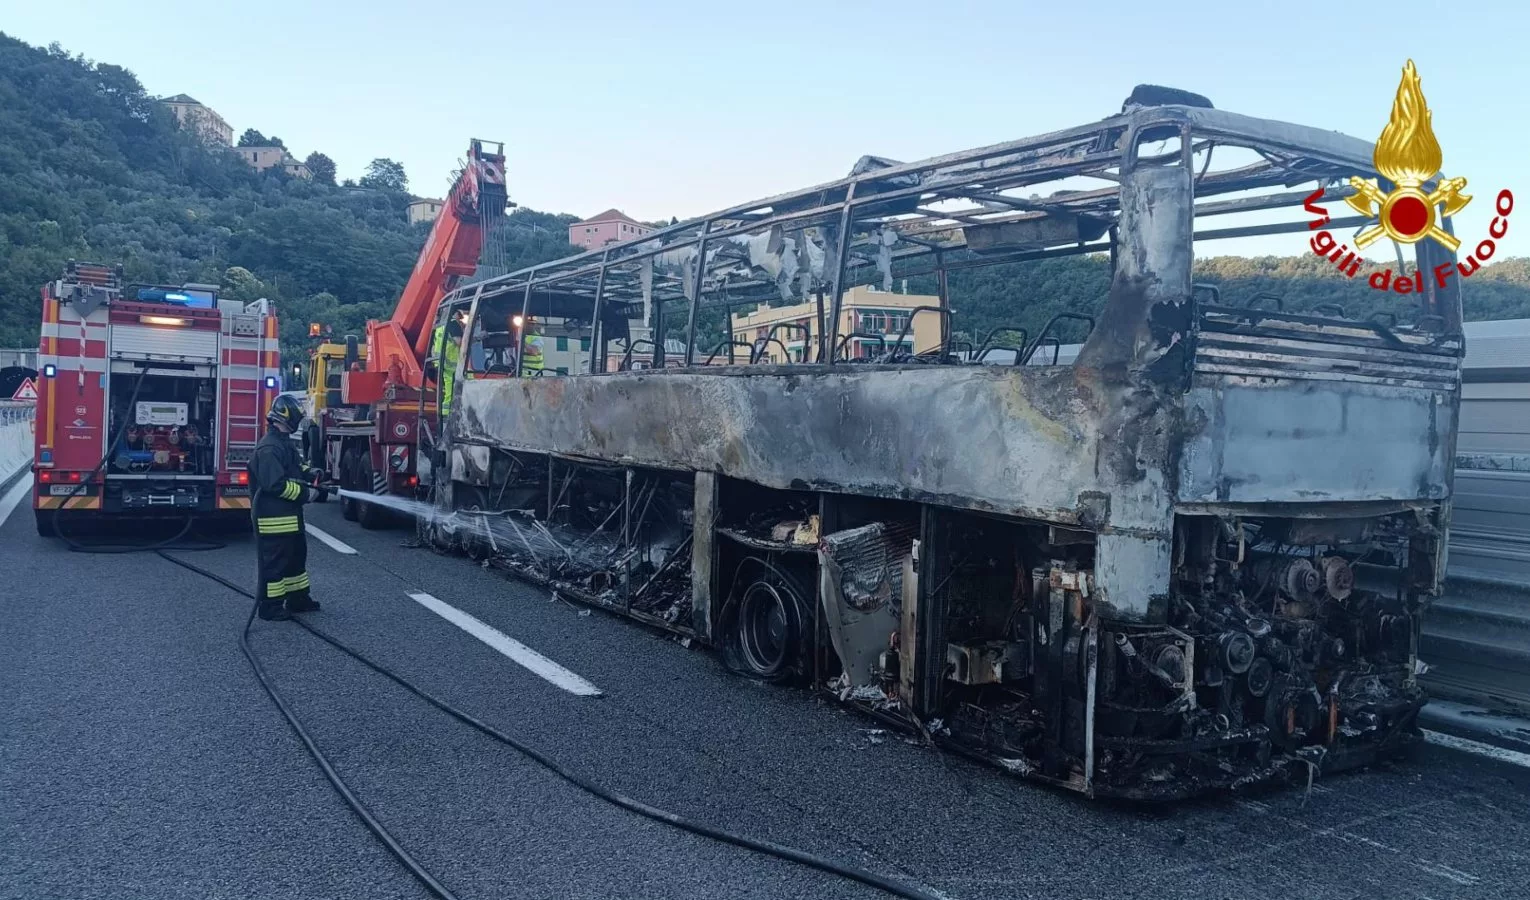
{"x": 1476, "y": 638}
{"x": 21, "y": 356}
{"x": 16, "y": 412}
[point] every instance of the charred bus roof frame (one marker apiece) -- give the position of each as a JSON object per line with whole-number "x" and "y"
{"x": 880, "y": 198}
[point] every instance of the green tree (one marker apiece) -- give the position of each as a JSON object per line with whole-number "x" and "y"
{"x": 322, "y": 167}
{"x": 385, "y": 174}
{"x": 253, "y": 138}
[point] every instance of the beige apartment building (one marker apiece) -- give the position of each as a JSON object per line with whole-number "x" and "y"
{"x": 263, "y": 158}
{"x": 193, "y": 116}
{"x": 864, "y": 310}
{"x": 424, "y": 209}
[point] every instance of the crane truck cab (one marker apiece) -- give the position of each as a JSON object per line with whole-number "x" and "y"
{"x": 328, "y": 360}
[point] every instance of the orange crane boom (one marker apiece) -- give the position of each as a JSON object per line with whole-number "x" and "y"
{"x": 397, "y": 347}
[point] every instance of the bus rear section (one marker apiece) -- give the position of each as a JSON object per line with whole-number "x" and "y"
{"x": 150, "y": 402}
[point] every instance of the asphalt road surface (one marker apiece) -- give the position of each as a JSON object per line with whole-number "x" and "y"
{"x": 139, "y": 758}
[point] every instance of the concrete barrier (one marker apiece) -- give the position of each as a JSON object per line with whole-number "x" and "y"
{"x": 15, "y": 443}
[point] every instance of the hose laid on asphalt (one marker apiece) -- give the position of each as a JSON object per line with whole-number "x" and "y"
{"x": 430, "y": 882}
{"x": 421, "y": 874}
{"x": 769, "y": 848}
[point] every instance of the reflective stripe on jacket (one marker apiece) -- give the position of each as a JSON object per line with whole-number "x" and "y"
{"x": 531, "y": 353}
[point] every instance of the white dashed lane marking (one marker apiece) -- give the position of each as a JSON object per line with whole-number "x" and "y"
{"x": 330, "y": 540}
{"x": 518, "y": 652}
{"x": 1477, "y": 748}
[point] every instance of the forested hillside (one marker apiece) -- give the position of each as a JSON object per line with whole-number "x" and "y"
{"x": 92, "y": 168}
{"x": 1028, "y": 294}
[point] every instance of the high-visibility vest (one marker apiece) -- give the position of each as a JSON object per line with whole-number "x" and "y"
{"x": 447, "y": 353}
{"x": 531, "y": 354}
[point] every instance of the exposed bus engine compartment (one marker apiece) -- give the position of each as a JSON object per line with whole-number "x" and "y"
{"x": 1285, "y": 645}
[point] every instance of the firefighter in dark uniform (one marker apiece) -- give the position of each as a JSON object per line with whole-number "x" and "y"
{"x": 281, "y": 484}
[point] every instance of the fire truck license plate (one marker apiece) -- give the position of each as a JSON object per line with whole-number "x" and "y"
{"x": 62, "y": 490}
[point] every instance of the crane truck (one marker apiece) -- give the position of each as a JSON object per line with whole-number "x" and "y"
{"x": 369, "y": 437}
{"x": 150, "y": 400}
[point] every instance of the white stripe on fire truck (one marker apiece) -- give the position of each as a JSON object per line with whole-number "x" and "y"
{"x": 68, "y": 316}
{"x": 93, "y": 332}
{"x": 72, "y": 363}
{"x": 247, "y": 373}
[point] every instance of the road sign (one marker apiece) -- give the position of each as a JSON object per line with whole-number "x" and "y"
{"x": 27, "y": 391}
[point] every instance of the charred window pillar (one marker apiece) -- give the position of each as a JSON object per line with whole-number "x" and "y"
{"x": 1137, "y": 351}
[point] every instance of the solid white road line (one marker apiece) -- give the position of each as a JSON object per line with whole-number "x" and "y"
{"x": 12, "y": 499}
{"x": 517, "y": 652}
{"x": 1477, "y": 748}
{"x": 334, "y": 543}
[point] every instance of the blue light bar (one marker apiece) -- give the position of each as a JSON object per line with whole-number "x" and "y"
{"x": 189, "y": 299}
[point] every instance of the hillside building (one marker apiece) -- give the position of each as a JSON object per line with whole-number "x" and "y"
{"x": 423, "y": 209}
{"x": 200, "y": 119}
{"x": 873, "y": 317}
{"x": 263, "y": 158}
{"x": 609, "y": 227}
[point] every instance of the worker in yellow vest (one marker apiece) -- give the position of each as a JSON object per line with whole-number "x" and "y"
{"x": 531, "y": 352}
{"x": 447, "y": 337}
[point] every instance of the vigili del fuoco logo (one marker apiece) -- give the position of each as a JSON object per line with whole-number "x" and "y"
{"x": 1408, "y": 155}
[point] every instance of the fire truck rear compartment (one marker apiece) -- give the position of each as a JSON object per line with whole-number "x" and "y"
{"x": 163, "y": 427}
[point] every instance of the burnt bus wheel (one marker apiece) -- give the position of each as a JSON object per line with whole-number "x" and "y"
{"x": 764, "y": 622}
{"x": 763, "y": 632}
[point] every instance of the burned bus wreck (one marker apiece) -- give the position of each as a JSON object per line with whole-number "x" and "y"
{"x": 1195, "y": 558}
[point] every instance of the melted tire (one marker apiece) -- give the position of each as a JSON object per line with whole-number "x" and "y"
{"x": 765, "y": 623}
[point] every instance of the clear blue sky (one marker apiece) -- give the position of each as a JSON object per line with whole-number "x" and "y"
{"x": 674, "y": 107}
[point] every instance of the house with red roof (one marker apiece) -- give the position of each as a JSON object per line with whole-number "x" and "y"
{"x": 608, "y": 227}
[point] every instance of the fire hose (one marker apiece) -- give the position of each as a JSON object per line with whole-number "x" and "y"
{"x": 415, "y": 868}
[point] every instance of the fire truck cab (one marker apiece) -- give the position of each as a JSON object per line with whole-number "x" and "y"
{"x": 150, "y": 399}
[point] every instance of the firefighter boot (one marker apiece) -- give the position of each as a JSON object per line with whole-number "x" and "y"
{"x": 271, "y": 611}
{"x": 302, "y": 604}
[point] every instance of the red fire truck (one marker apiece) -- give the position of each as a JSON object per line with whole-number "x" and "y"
{"x": 150, "y": 399}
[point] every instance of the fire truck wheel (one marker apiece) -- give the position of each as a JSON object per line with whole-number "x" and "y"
{"x": 348, "y": 508}
{"x": 370, "y": 516}
{"x": 313, "y": 446}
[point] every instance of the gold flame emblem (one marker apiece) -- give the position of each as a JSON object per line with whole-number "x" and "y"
{"x": 1408, "y": 154}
